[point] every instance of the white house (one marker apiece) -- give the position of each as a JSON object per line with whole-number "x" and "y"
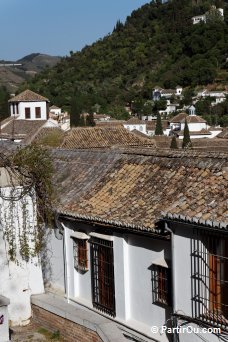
{"x": 55, "y": 110}
{"x": 29, "y": 106}
{"x": 170, "y": 108}
{"x": 203, "y": 18}
{"x": 135, "y": 123}
{"x": 158, "y": 93}
{"x": 199, "y": 18}
{"x": 142, "y": 238}
{"x": 198, "y": 127}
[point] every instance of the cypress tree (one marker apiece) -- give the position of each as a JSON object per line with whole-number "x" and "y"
{"x": 90, "y": 120}
{"x": 75, "y": 116}
{"x": 186, "y": 139}
{"x": 158, "y": 129}
{"x": 173, "y": 144}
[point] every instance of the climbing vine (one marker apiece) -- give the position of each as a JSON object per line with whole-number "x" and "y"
{"x": 26, "y": 200}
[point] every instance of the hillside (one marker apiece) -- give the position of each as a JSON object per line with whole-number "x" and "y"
{"x": 157, "y": 45}
{"x": 12, "y": 76}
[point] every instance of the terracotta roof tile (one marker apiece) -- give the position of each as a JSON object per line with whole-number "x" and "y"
{"x": 193, "y": 119}
{"x": 27, "y": 96}
{"x": 21, "y": 129}
{"x": 223, "y": 134}
{"x": 96, "y": 137}
{"x": 135, "y": 190}
{"x": 135, "y": 121}
{"x": 179, "y": 117}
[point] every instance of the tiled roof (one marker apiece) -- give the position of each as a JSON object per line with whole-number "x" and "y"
{"x": 151, "y": 125}
{"x": 21, "y": 129}
{"x": 168, "y": 91}
{"x": 223, "y": 134}
{"x": 96, "y": 137}
{"x": 193, "y": 119}
{"x": 111, "y": 123}
{"x": 134, "y": 121}
{"x": 133, "y": 190}
{"x": 179, "y": 117}
{"x": 54, "y": 107}
{"x": 27, "y": 96}
{"x": 49, "y": 136}
{"x": 140, "y": 134}
{"x": 213, "y": 144}
{"x": 202, "y": 132}
{"x": 163, "y": 141}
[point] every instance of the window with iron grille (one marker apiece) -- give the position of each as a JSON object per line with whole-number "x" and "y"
{"x": 102, "y": 275}
{"x": 210, "y": 278}
{"x": 80, "y": 249}
{"x": 161, "y": 285}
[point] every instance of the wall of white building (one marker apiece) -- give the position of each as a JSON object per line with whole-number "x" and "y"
{"x": 32, "y": 106}
{"x": 195, "y": 127}
{"x": 138, "y": 127}
{"x": 182, "y": 290}
{"x": 133, "y": 258}
{"x": 18, "y": 279}
{"x": 55, "y": 111}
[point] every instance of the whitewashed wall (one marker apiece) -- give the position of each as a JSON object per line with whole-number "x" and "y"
{"x": 133, "y": 258}
{"x": 138, "y": 127}
{"x": 195, "y": 127}
{"x": 182, "y": 281}
{"x": 18, "y": 279}
{"x": 31, "y": 105}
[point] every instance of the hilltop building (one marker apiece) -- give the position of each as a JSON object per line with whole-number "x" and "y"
{"x": 203, "y": 18}
{"x": 159, "y": 93}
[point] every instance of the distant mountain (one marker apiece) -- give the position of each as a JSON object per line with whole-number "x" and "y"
{"x": 12, "y": 76}
{"x": 38, "y": 62}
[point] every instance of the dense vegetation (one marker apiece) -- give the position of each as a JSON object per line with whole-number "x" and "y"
{"x": 157, "y": 45}
{"x": 4, "y": 97}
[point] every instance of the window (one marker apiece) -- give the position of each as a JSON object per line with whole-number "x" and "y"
{"x": 210, "y": 278}
{"x": 27, "y": 113}
{"x": 102, "y": 275}
{"x": 38, "y": 112}
{"x": 161, "y": 285}
{"x": 80, "y": 250}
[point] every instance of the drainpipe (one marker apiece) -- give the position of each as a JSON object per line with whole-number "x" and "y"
{"x": 65, "y": 263}
{"x": 62, "y": 231}
{"x": 174, "y": 306}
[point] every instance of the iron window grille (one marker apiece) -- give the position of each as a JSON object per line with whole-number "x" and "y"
{"x": 102, "y": 276}
{"x": 161, "y": 285}
{"x": 209, "y": 262}
{"x": 80, "y": 251}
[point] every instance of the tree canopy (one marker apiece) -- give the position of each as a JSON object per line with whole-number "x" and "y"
{"x": 157, "y": 45}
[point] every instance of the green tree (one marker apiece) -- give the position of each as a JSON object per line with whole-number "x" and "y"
{"x": 4, "y": 97}
{"x": 158, "y": 129}
{"x": 75, "y": 113}
{"x": 90, "y": 120}
{"x": 186, "y": 139}
{"x": 173, "y": 144}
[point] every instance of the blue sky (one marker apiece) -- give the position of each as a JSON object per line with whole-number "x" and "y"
{"x": 56, "y": 27}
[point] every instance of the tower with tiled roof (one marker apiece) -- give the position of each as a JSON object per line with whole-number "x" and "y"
{"x": 29, "y": 105}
